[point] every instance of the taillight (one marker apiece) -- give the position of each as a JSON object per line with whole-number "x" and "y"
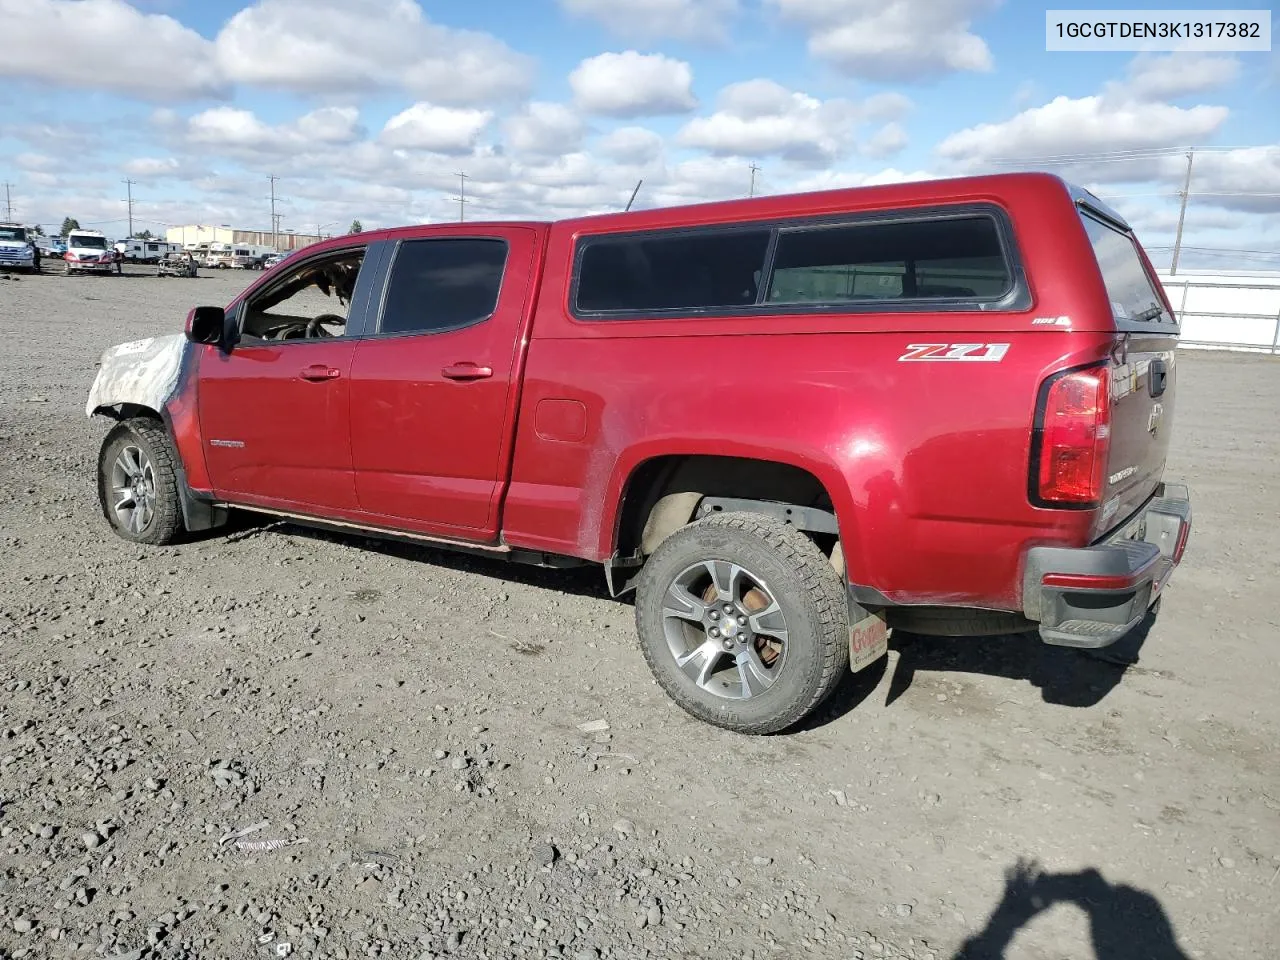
{"x": 1073, "y": 436}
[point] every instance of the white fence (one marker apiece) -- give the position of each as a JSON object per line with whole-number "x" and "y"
{"x": 1235, "y": 312}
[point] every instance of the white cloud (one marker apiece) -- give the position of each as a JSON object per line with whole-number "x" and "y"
{"x": 340, "y": 46}
{"x": 760, "y": 117}
{"x": 544, "y": 128}
{"x": 35, "y": 161}
{"x": 631, "y": 145}
{"x": 893, "y": 39}
{"x": 1080, "y": 126}
{"x": 147, "y": 168}
{"x": 656, "y": 19}
{"x": 1175, "y": 75}
{"x": 632, "y": 84}
{"x": 96, "y": 45}
{"x": 425, "y": 126}
{"x": 843, "y": 179}
{"x": 240, "y": 132}
{"x": 1247, "y": 179}
{"x": 886, "y": 141}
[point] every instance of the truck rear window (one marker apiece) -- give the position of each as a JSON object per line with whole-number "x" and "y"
{"x": 1129, "y": 288}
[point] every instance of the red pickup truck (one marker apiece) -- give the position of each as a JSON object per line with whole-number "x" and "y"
{"x": 789, "y": 423}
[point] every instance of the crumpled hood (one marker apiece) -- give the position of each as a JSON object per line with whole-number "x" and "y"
{"x": 142, "y": 372}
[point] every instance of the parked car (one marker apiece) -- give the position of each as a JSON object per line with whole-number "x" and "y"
{"x": 180, "y": 264}
{"x": 18, "y": 250}
{"x": 788, "y": 423}
{"x": 89, "y": 251}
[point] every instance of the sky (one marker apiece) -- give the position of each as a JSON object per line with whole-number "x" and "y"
{"x": 368, "y": 110}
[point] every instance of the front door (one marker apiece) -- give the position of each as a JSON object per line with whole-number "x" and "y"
{"x": 431, "y": 383}
{"x": 275, "y": 410}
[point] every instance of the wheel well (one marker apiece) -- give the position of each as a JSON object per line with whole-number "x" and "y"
{"x": 128, "y": 411}
{"x": 661, "y": 494}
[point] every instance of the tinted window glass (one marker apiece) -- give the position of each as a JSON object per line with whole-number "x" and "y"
{"x": 957, "y": 259}
{"x": 702, "y": 271}
{"x": 1128, "y": 286}
{"x": 443, "y": 284}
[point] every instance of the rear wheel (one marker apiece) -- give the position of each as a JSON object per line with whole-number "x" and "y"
{"x": 743, "y": 622}
{"x": 138, "y": 485}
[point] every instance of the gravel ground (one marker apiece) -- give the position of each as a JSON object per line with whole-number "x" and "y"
{"x": 402, "y": 726}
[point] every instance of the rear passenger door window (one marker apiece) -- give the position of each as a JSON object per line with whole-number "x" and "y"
{"x": 959, "y": 258}
{"x": 445, "y": 284}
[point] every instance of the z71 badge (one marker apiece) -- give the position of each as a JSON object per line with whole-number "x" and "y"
{"x": 973, "y": 352}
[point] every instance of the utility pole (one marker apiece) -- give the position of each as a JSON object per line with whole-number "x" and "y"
{"x": 275, "y": 224}
{"x": 8, "y": 203}
{"x": 462, "y": 196}
{"x": 1182, "y": 212}
{"x": 754, "y": 171}
{"x": 129, "y": 202}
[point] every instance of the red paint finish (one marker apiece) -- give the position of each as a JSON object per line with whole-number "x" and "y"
{"x": 527, "y": 429}
{"x": 433, "y": 411}
{"x": 274, "y": 432}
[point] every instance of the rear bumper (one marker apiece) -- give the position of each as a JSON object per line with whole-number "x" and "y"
{"x": 1093, "y": 596}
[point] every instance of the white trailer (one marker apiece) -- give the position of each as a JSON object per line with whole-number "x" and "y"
{"x": 137, "y": 250}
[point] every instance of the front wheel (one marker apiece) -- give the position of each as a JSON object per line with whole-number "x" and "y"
{"x": 743, "y": 622}
{"x": 138, "y": 485}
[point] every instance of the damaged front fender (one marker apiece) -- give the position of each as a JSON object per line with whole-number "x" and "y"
{"x": 143, "y": 373}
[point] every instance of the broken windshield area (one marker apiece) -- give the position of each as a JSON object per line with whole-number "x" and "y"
{"x": 311, "y": 301}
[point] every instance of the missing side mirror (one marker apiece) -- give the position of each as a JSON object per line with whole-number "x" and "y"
{"x": 206, "y": 325}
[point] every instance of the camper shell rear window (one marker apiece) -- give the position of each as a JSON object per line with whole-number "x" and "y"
{"x": 1130, "y": 288}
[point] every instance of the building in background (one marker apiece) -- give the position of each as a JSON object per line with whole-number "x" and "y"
{"x": 193, "y": 233}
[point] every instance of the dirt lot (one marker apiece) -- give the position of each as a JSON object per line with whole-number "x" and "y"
{"x": 407, "y": 724}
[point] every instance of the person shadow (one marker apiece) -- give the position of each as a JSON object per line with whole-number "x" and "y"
{"x": 1125, "y": 923}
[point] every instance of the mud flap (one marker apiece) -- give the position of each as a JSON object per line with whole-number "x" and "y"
{"x": 868, "y": 637}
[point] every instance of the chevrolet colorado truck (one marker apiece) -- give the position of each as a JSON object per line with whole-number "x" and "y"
{"x": 788, "y": 423}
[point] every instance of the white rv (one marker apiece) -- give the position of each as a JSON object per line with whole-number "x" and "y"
{"x": 146, "y": 250}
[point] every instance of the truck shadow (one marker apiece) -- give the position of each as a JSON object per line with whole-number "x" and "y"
{"x": 583, "y": 581}
{"x": 1065, "y": 676}
{"x": 1125, "y": 923}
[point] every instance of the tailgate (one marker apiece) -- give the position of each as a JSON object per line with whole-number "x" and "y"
{"x": 1142, "y": 393}
{"x": 1143, "y": 378}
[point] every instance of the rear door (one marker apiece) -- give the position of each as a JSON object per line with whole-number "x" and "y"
{"x": 433, "y": 385}
{"x": 1143, "y": 376}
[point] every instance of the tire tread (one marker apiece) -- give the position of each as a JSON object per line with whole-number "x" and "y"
{"x": 166, "y": 526}
{"x": 821, "y": 587}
